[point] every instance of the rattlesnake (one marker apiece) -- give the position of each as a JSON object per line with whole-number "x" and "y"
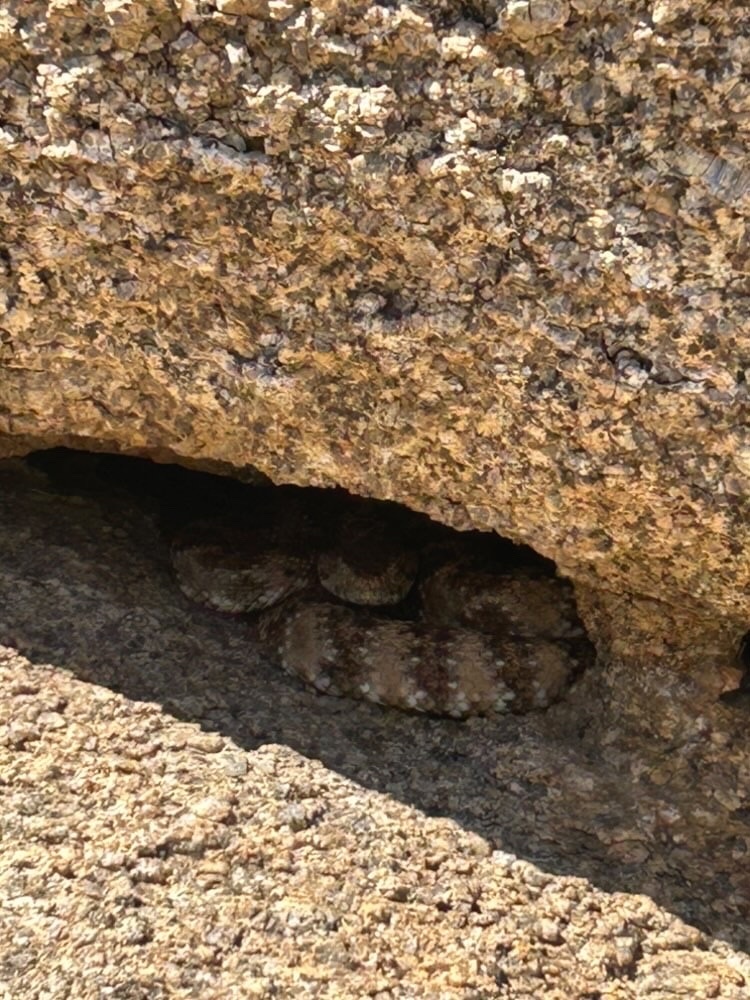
{"x": 363, "y": 599}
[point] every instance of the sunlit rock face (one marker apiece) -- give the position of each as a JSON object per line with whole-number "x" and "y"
{"x": 486, "y": 259}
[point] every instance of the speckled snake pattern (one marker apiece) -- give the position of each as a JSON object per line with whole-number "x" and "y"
{"x": 366, "y": 600}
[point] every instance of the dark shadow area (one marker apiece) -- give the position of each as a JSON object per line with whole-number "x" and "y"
{"x": 87, "y": 584}
{"x": 740, "y": 696}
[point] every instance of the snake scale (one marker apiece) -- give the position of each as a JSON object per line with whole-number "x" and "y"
{"x": 365, "y": 599}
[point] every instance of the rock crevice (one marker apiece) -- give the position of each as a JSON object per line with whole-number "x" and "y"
{"x": 488, "y": 260}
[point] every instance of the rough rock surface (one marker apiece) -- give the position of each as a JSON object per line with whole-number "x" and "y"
{"x": 485, "y": 258}
{"x": 209, "y": 827}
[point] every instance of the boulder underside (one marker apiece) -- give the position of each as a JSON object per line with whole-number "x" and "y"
{"x": 487, "y": 259}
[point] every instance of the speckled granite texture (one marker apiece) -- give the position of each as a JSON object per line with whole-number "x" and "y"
{"x": 180, "y": 819}
{"x": 488, "y": 259}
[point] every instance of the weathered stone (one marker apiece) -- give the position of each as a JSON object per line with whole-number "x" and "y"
{"x": 180, "y": 818}
{"x": 485, "y": 259}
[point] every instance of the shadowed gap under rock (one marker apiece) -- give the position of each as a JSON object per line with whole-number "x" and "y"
{"x": 88, "y": 586}
{"x": 486, "y": 624}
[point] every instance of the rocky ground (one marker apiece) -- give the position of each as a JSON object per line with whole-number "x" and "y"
{"x": 180, "y": 819}
{"x": 487, "y": 259}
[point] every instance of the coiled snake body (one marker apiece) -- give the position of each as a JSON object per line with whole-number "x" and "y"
{"x": 366, "y": 600}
